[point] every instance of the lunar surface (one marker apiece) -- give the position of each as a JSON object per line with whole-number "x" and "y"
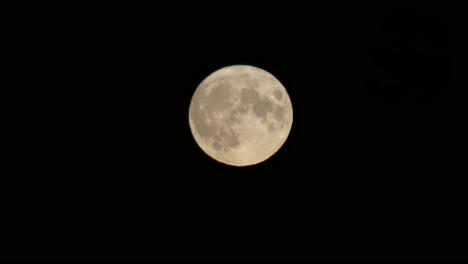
{"x": 240, "y": 115}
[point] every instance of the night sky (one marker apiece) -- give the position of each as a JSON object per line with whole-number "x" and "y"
{"x": 374, "y": 165}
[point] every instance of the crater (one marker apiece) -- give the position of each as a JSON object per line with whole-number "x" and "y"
{"x": 278, "y": 94}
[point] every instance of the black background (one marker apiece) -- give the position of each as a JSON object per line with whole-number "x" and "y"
{"x": 373, "y": 166}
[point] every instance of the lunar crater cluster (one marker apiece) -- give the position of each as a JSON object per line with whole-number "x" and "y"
{"x": 240, "y": 115}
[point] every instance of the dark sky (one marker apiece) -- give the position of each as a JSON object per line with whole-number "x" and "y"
{"x": 374, "y": 165}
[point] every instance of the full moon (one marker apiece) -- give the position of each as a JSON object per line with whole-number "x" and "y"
{"x": 240, "y": 115}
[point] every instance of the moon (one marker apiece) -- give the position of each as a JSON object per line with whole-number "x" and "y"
{"x": 240, "y": 115}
